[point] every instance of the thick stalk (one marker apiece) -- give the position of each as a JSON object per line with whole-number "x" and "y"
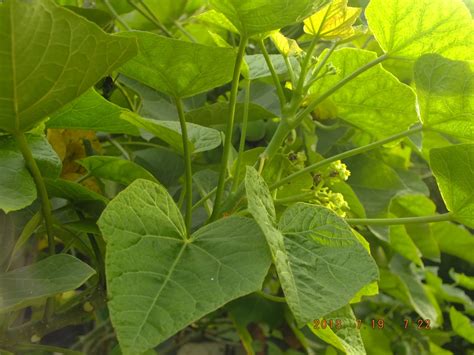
{"x": 243, "y": 134}
{"x": 40, "y": 187}
{"x": 230, "y": 128}
{"x": 344, "y": 155}
{"x": 276, "y": 79}
{"x": 279, "y": 136}
{"x": 393, "y": 221}
{"x": 187, "y": 160}
{"x": 339, "y": 85}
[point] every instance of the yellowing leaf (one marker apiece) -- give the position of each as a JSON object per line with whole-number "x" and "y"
{"x": 287, "y": 47}
{"x": 334, "y": 21}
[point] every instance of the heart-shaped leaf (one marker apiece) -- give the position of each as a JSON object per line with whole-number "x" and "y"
{"x": 409, "y": 29}
{"x": 445, "y": 90}
{"x": 48, "y": 57}
{"x": 375, "y": 101}
{"x": 58, "y": 273}
{"x": 159, "y": 278}
{"x": 320, "y": 263}
{"x": 177, "y": 68}
{"x": 452, "y": 166}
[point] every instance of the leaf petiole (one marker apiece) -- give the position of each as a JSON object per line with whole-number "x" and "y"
{"x": 405, "y": 220}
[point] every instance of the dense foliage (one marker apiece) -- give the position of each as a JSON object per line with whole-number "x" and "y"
{"x": 274, "y": 176}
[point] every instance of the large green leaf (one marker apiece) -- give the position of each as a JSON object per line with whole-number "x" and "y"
{"x": 48, "y": 57}
{"x": 201, "y": 138}
{"x": 320, "y": 262}
{"x": 345, "y": 337}
{"x": 217, "y": 114}
{"x": 253, "y": 17}
{"x": 375, "y": 101}
{"x": 407, "y": 28}
{"x": 453, "y": 168}
{"x": 17, "y": 188}
{"x": 177, "y": 68}
{"x": 159, "y": 278}
{"x": 92, "y": 112}
{"x": 58, "y": 273}
{"x": 115, "y": 169}
{"x": 461, "y": 324}
{"x": 445, "y": 91}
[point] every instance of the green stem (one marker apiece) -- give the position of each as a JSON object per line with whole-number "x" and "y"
{"x": 304, "y": 70}
{"x": 243, "y": 134}
{"x": 230, "y": 127}
{"x": 392, "y": 221}
{"x": 185, "y": 32}
{"x": 339, "y": 85}
{"x": 344, "y": 155}
{"x": 290, "y": 70}
{"x": 41, "y": 188}
{"x": 271, "y": 297}
{"x": 279, "y": 136}
{"x": 187, "y": 159}
{"x": 323, "y": 61}
{"x": 297, "y": 198}
{"x": 155, "y": 19}
{"x": 276, "y": 79}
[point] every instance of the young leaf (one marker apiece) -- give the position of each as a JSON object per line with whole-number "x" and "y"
{"x": 375, "y": 101}
{"x": 115, "y": 169}
{"x": 48, "y": 57}
{"x": 201, "y": 138}
{"x": 445, "y": 90}
{"x": 177, "y": 68}
{"x": 409, "y": 29}
{"x": 346, "y": 337}
{"x": 92, "y": 112}
{"x": 334, "y": 21}
{"x": 452, "y": 166}
{"x": 286, "y": 46}
{"x": 17, "y": 188}
{"x": 159, "y": 278}
{"x": 253, "y": 17}
{"x": 56, "y": 274}
{"x": 320, "y": 263}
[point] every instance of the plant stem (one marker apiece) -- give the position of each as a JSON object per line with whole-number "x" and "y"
{"x": 339, "y": 85}
{"x": 41, "y": 188}
{"x": 116, "y": 15}
{"x": 243, "y": 134}
{"x": 324, "y": 60}
{"x": 271, "y": 297}
{"x": 187, "y": 159}
{"x": 276, "y": 79}
{"x": 304, "y": 70}
{"x": 155, "y": 19}
{"x": 185, "y": 32}
{"x": 344, "y": 155}
{"x": 230, "y": 127}
{"x": 392, "y": 221}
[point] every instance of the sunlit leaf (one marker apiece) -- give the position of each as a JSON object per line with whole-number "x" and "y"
{"x": 48, "y": 57}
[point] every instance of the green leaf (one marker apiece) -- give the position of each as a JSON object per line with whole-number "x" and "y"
{"x": 159, "y": 279}
{"x": 462, "y": 279}
{"x": 374, "y": 101}
{"x": 454, "y": 240}
{"x": 258, "y": 67}
{"x": 201, "y": 138}
{"x": 92, "y": 112}
{"x": 253, "y": 17}
{"x": 408, "y": 29}
{"x": 461, "y": 325}
{"x": 72, "y": 191}
{"x": 58, "y": 273}
{"x": 115, "y": 169}
{"x": 217, "y": 114}
{"x": 177, "y": 68}
{"x": 347, "y": 338}
{"x": 445, "y": 91}
{"x": 453, "y": 168}
{"x": 320, "y": 262}
{"x": 17, "y": 188}
{"x": 401, "y": 242}
{"x": 49, "y": 56}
